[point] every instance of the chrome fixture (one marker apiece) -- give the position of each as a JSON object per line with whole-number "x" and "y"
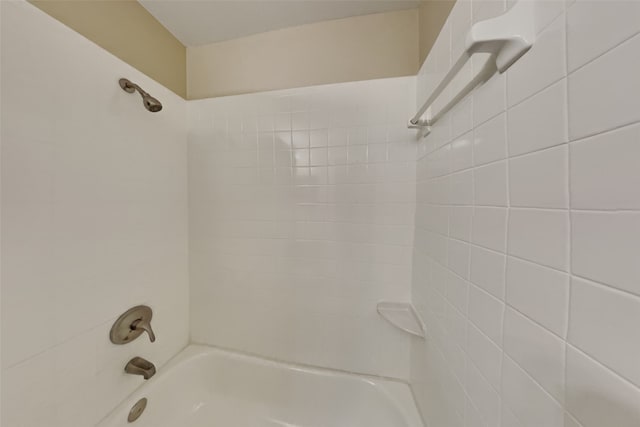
{"x": 140, "y": 366}
{"x": 132, "y": 324}
{"x": 150, "y": 103}
{"x": 137, "y": 410}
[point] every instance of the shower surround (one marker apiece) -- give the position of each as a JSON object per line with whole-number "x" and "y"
{"x": 513, "y": 227}
{"x": 301, "y": 220}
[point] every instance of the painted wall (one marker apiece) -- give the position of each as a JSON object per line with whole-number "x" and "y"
{"x": 94, "y": 221}
{"x": 301, "y": 220}
{"x": 127, "y": 30}
{"x": 528, "y": 228}
{"x": 359, "y": 48}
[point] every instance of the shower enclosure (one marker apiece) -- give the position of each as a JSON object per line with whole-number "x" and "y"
{"x": 323, "y": 256}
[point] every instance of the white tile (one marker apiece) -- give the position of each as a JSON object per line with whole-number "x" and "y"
{"x": 508, "y": 419}
{"x": 462, "y": 152}
{"x": 456, "y": 325}
{"x": 472, "y": 417}
{"x": 605, "y": 248}
{"x": 438, "y": 163}
{"x": 541, "y": 236}
{"x": 533, "y": 406}
{"x": 541, "y": 66}
{"x": 459, "y": 257}
{"x": 487, "y": 271}
{"x": 569, "y": 421}
{"x": 486, "y": 355}
{"x": 538, "y": 122}
{"x": 489, "y": 227}
{"x": 594, "y": 27}
{"x": 537, "y": 351}
{"x": 539, "y": 292}
{"x": 433, "y": 218}
{"x": 486, "y": 312}
{"x": 603, "y": 323}
{"x": 461, "y": 185}
{"x": 461, "y": 117}
{"x": 460, "y": 222}
{"x": 597, "y": 397}
{"x": 337, "y": 155}
{"x": 545, "y": 12}
{"x": 483, "y": 396}
{"x": 487, "y": 9}
{"x": 457, "y": 292}
{"x": 491, "y": 184}
{"x": 540, "y": 179}
{"x": 604, "y": 170}
{"x": 600, "y": 100}
{"x": 490, "y": 141}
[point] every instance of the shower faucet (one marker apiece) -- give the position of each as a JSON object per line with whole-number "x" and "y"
{"x": 140, "y": 366}
{"x": 132, "y": 324}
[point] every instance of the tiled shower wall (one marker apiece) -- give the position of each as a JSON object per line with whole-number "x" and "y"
{"x": 301, "y": 220}
{"x": 94, "y": 214}
{"x": 527, "y": 242}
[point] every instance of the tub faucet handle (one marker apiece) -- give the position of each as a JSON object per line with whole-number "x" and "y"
{"x": 145, "y": 325}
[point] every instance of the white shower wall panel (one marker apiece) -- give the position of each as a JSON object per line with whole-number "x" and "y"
{"x": 301, "y": 220}
{"x": 528, "y": 227}
{"x": 94, "y": 221}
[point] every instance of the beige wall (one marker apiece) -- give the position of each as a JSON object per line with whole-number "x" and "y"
{"x": 382, "y": 45}
{"x": 127, "y": 30}
{"x": 350, "y": 49}
{"x": 432, "y": 15}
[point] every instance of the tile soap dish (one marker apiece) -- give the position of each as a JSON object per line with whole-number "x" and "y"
{"x": 402, "y": 315}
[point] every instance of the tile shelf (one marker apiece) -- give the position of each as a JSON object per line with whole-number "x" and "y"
{"x": 403, "y": 316}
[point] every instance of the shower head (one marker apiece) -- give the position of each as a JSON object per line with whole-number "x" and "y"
{"x": 150, "y": 103}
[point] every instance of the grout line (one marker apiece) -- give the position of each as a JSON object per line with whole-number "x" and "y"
{"x": 506, "y": 239}
{"x": 606, "y": 286}
{"x": 568, "y": 194}
{"x": 532, "y": 379}
{"x": 588, "y": 136}
{"x": 603, "y": 366}
{"x": 493, "y": 162}
{"x": 600, "y": 55}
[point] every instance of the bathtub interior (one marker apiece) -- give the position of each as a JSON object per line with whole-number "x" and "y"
{"x": 205, "y": 386}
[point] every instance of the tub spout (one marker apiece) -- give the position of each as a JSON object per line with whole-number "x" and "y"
{"x": 140, "y": 366}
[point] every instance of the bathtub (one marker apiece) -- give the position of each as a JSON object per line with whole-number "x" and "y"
{"x": 205, "y": 386}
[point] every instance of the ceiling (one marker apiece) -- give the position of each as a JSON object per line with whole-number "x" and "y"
{"x": 198, "y": 22}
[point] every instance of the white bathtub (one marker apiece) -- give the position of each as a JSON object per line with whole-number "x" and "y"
{"x": 204, "y": 386}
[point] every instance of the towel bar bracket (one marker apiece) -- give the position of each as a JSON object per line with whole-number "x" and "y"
{"x": 506, "y": 37}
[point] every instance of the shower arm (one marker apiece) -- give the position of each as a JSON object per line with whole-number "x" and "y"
{"x": 130, "y": 87}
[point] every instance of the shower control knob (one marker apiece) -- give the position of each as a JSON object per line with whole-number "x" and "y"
{"x": 132, "y": 324}
{"x": 145, "y": 326}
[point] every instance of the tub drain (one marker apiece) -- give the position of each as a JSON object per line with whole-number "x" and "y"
{"x": 137, "y": 410}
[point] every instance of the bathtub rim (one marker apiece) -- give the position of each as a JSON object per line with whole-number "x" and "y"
{"x": 397, "y": 391}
